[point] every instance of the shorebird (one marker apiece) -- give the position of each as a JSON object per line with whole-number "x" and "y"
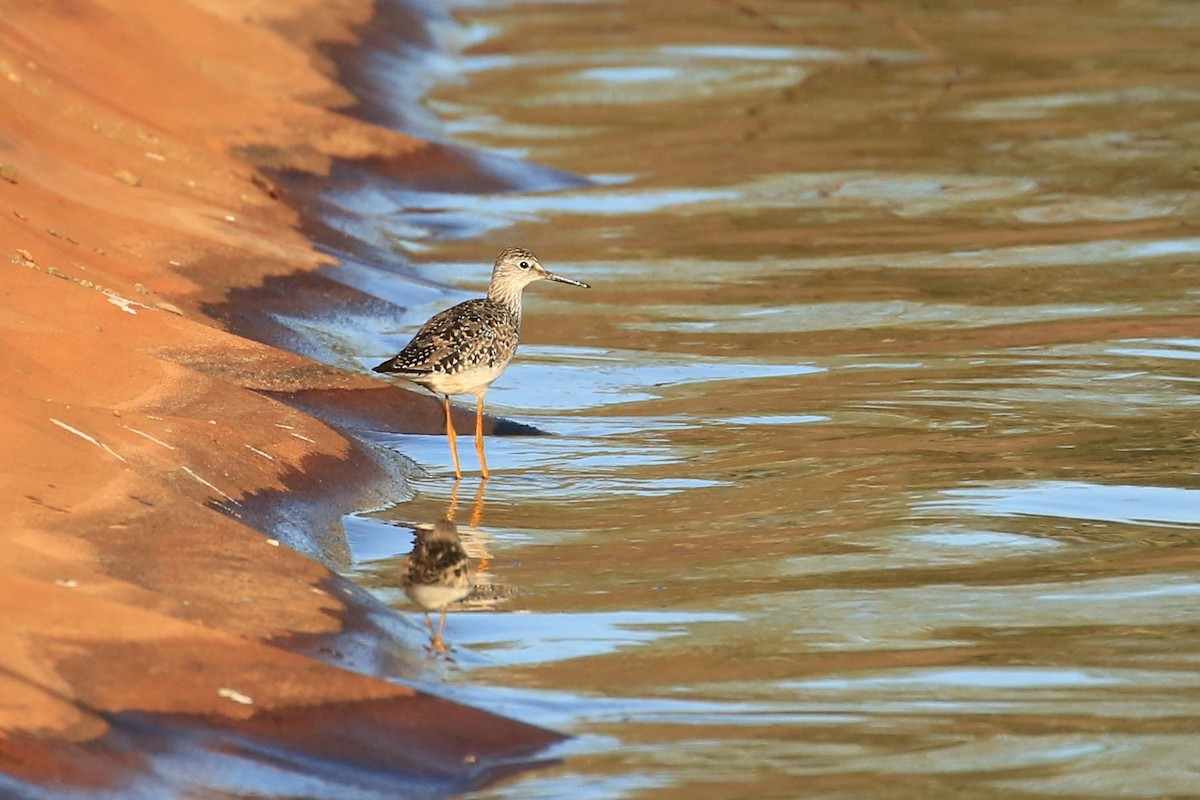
{"x": 437, "y": 573}
{"x": 463, "y": 349}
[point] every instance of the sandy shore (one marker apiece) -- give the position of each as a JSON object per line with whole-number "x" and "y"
{"x": 136, "y": 430}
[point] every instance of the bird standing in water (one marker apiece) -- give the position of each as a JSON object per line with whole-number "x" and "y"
{"x": 463, "y": 349}
{"x": 437, "y": 573}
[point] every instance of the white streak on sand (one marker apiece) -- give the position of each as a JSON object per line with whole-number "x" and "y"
{"x": 148, "y": 436}
{"x": 267, "y": 456}
{"x": 123, "y": 303}
{"x": 235, "y": 696}
{"x": 88, "y": 437}
{"x": 192, "y": 472}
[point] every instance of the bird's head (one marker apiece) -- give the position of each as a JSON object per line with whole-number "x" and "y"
{"x": 518, "y": 267}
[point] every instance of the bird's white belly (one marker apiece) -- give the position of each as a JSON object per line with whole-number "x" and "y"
{"x": 474, "y": 381}
{"x": 435, "y": 598}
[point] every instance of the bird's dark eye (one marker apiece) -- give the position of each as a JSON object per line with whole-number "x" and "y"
{"x": 524, "y": 265}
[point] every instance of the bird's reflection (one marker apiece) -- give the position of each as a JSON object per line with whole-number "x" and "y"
{"x": 437, "y": 573}
{"x": 441, "y": 571}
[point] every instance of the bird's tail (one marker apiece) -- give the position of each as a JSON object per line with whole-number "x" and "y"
{"x": 391, "y": 366}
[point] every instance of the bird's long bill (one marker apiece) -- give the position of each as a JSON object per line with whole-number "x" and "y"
{"x": 550, "y": 276}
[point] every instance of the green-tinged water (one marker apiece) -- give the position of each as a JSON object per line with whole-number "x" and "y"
{"x": 876, "y": 472}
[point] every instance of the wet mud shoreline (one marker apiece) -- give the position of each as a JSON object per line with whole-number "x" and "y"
{"x": 157, "y": 434}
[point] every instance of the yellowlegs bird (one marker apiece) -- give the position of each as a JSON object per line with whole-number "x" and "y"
{"x": 437, "y": 573}
{"x": 463, "y": 349}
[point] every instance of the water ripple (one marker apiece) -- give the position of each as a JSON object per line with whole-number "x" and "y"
{"x": 1147, "y": 505}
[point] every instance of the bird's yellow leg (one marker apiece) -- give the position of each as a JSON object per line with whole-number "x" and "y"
{"x": 453, "y": 437}
{"x": 479, "y": 434}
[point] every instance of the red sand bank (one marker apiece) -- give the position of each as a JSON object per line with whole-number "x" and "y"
{"x": 131, "y": 609}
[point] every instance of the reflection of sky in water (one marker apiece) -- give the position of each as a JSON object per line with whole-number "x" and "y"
{"x": 214, "y": 762}
{"x": 552, "y": 378}
{"x": 556, "y": 469}
{"x": 1178, "y": 589}
{"x": 1108, "y": 146}
{"x": 578, "y": 786}
{"x": 977, "y": 540}
{"x": 917, "y": 550}
{"x": 675, "y": 73}
{"x": 761, "y": 52}
{"x": 1182, "y": 349}
{"x": 727, "y": 319}
{"x": 374, "y": 539}
{"x": 529, "y": 452}
{"x": 1108, "y": 251}
{"x": 1039, "y": 106}
{"x": 981, "y": 677}
{"x": 507, "y": 639}
{"x": 772, "y": 419}
{"x": 1102, "y": 209}
{"x": 990, "y": 689}
{"x": 1082, "y": 379}
{"x": 564, "y": 710}
{"x": 515, "y": 206}
{"x": 630, "y": 74}
{"x": 682, "y": 56}
{"x": 556, "y": 379}
{"x": 656, "y": 82}
{"x": 412, "y": 217}
{"x": 915, "y": 193}
{"x": 592, "y": 427}
{"x": 633, "y": 274}
{"x": 929, "y": 615}
{"x": 1077, "y": 500}
{"x": 415, "y": 217}
{"x": 906, "y": 194}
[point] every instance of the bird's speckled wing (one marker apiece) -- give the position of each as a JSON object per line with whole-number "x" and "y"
{"x": 476, "y": 334}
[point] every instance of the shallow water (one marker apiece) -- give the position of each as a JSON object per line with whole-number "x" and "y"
{"x": 875, "y": 468}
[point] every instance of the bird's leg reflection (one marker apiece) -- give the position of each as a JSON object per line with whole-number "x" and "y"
{"x": 477, "y": 508}
{"x": 436, "y": 642}
{"x": 476, "y": 541}
{"x": 477, "y": 520}
{"x": 452, "y": 507}
{"x": 439, "y": 644}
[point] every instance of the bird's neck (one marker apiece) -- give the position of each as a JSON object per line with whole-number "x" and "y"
{"x": 508, "y": 296}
